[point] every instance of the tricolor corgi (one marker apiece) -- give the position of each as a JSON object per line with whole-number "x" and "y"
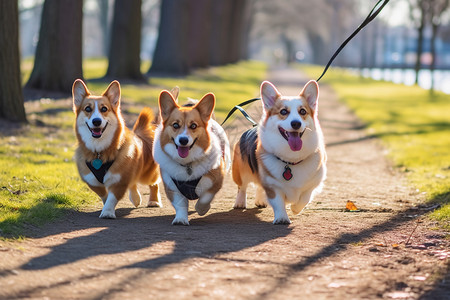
{"x": 110, "y": 158}
{"x": 285, "y": 155}
{"x": 193, "y": 152}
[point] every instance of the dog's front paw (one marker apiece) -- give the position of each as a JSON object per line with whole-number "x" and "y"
{"x": 239, "y": 206}
{"x": 180, "y": 221}
{"x": 107, "y": 215}
{"x": 261, "y": 204}
{"x": 281, "y": 221}
{"x": 202, "y": 208}
{"x": 154, "y": 204}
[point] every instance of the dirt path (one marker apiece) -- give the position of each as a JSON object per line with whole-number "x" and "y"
{"x": 326, "y": 253}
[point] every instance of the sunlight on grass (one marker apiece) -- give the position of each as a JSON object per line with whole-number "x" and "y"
{"x": 39, "y": 180}
{"x": 414, "y": 127}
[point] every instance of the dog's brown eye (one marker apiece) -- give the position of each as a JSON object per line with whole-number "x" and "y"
{"x": 104, "y": 109}
{"x": 88, "y": 109}
{"x": 302, "y": 111}
{"x": 283, "y": 112}
{"x": 176, "y": 125}
{"x": 193, "y": 126}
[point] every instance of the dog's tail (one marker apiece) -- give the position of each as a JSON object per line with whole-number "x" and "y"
{"x": 144, "y": 127}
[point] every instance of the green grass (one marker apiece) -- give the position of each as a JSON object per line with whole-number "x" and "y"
{"x": 39, "y": 180}
{"x": 413, "y": 125}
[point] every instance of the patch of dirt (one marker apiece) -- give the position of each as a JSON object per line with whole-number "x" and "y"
{"x": 386, "y": 250}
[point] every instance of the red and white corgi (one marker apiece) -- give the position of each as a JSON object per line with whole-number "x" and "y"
{"x": 110, "y": 158}
{"x": 193, "y": 152}
{"x": 285, "y": 155}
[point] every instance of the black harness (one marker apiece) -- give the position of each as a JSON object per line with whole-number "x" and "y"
{"x": 100, "y": 172}
{"x": 187, "y": 188}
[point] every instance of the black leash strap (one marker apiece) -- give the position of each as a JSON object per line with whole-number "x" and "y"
{"x": 372, "y": 15}
{"x": 244, "y": 113}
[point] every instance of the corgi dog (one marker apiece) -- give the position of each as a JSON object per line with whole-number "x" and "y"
{"x": 110, "y": 158}
{"x": 192, "y": 151}
{"x": 285, "y": 155}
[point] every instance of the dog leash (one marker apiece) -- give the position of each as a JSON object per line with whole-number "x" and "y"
{"x": 372, "y": 15}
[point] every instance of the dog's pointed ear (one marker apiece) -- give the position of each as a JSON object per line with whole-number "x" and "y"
{"x": 175, "y": 92}
{"x": 269, "y": 94}
{"x": 311, "y": 93}
{"x": 206, "y": 106}
{"x": 166, "y": 104}
{"x": 112, "y": 92}
{"x": 79, "y": 92}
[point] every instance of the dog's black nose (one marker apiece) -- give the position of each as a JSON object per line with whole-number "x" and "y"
{"x": 97, "y": 122}
{"x": 296, "y": 124}
{"x": 183, "y": 140}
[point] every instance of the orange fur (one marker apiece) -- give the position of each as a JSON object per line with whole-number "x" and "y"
{"x": 131, "y": 151}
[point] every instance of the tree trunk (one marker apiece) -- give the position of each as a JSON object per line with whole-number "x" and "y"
{"x": 433, "y": 54}
{"x": 246, "y": 29}
{"x": 419, "y": 51}
{"x": 170, "y": 56}
{"x": 11, "y": 97}
{"x": 104, "y": 23}
{"x": 125, "y": 42}
{"x": 236, "y": 30}
{"x": 58, "y": 59}
{"x": 199, "y": 33}
{"x": 220, "y": 34}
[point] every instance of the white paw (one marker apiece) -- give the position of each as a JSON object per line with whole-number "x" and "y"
{"x": 241, "y": 201}
{"x": 282, "y": 221}
{"x": 107, "y": 215}
{"x": 239, "y": 206}
{"x": 180, "y": 221}
{"x": 154, "y": 204}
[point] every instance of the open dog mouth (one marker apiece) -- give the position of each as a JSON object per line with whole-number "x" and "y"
{"x": 183, "y": 151}
{"x": 294, "y": 138}
{"x": 97, "y": 131}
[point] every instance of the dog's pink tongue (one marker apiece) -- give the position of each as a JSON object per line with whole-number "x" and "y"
{"x": 183, "y": 151}
{"x": 294, "y": 141}
{"x": 97, "y": 131}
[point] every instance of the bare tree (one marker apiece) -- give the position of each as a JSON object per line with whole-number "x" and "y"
{"x": 200, "y": 33}
{"x": 58, "y": 59}
{"x": 170, "y": 56}
{"x": 125, "y": 41}
{"x": 11, "y": 98}
{"x": 437, "y": 8}
{"x": 418, "y": 13}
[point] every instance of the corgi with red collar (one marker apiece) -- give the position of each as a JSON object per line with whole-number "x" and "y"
{"x": 285, "y": 155}
{"x": 193, "y": 152}
{"x": 112, "y": 159}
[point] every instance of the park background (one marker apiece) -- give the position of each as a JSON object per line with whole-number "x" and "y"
{"x": 395, "y": 76}
{"x": 149, "y": 45}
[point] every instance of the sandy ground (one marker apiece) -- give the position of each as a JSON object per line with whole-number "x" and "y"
{"x": 326, "y": 253}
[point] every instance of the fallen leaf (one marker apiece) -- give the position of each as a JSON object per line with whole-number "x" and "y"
{"x": 395, "y": 246}
{"x": 351, "y": 206}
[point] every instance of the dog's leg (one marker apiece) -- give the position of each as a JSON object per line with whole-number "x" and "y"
{"x": 204, "y": 203}
{"x": 241, "y": 198}
{"x": 108, "y": 211}
{"x": 261, "y": 199}
{"x": 279, "y": 209}
{"x": 304, "y": 199}
{"x": 135, "y": 196}
{"x": 181, "y": 205}
{"x": 115, "y": 193}
{"x": 155, "y": 197}
{"x": 100, "y": 191}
